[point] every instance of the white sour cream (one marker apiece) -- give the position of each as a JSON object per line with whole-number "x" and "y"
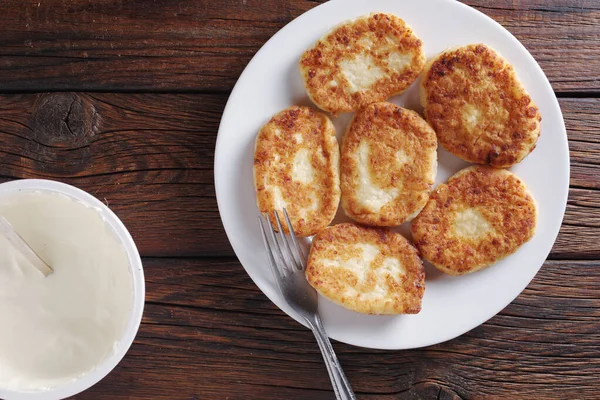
{"x": 55, "y": 329}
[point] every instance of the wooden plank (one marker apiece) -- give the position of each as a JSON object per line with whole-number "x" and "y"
{"x": 581, "y": 227}
{"x": 219, "y": 337}
{"x": 578, "y": 236}
{"x": 582, "y": 119}
{"x": 150, "y": 157}
{"x": 115, "y": 45}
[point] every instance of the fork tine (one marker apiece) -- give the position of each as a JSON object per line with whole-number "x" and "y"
{"x": 272, "y": 262}
{"x": 298, "y": 254}
{"x": 283, "y": 265}
{"x": 291, "y": 260}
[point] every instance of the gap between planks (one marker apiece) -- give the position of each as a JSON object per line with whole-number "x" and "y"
{"x": 593, "y": 94}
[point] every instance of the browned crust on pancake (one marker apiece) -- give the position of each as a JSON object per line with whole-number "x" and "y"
{"x": 477, "y": 75}
{"x": 388, "y": 128}
{"x": 332, "y": 282}
{"x": 320, "y": 64}
{"x": 501, "y": 198}
{"x": 318, "y": 136}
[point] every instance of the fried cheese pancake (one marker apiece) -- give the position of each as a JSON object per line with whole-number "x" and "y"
{"x": 362, "y": 61}
{"x": 368, "y": 270}
{"x": 296, "y": 166}
{"x": 478, "y": 107}
{"x": 477, "y": 218}
{"x": 388, "y": 167}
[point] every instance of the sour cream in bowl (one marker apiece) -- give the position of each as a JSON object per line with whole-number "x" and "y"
{"x": 63, "y": 333}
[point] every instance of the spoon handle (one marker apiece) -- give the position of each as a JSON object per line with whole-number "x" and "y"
{"x": 22, "y": 247}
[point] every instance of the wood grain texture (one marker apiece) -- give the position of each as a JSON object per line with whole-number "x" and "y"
{"x": 115, "y": 45}
{"x": 209, "y": 333}
{"x": 150, "y": 157}
{"x": 578, "y": 237}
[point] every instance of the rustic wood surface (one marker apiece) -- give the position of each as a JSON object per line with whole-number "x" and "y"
{"x": 124, "y": 98}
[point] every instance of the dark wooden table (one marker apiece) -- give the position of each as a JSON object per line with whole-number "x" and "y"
{"x": 123, "y": 99}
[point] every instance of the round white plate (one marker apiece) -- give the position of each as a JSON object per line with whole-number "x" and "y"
{"x": 451, "y": 305}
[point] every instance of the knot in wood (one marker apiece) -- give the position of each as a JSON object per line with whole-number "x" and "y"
{"x": 433, "y": 390}
{"x": 63, "y": 125}
{"x": 63, "y": 120}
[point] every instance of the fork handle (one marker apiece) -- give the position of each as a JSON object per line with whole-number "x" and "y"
{"x": 341, "y": 386}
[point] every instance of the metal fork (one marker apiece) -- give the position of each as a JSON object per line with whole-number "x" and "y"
{"x": 288, "y": 264}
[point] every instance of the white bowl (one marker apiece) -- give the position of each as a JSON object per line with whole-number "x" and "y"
{"x": 135, "y": 264}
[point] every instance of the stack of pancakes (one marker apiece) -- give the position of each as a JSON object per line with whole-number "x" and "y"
{"x": 474, "y": 106}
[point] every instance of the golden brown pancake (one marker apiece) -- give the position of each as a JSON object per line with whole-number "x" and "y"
{"x": 369, "y": 270}
{"x": 388, "y": 167}
{"x": 478, "y": 107}
{"x": 477, "y": 218}
{"x": 362, "y": 61}
{"x": 296, "y": 166}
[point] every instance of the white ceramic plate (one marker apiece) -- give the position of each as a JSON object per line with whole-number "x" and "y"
{"x": 451, "y": 305}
